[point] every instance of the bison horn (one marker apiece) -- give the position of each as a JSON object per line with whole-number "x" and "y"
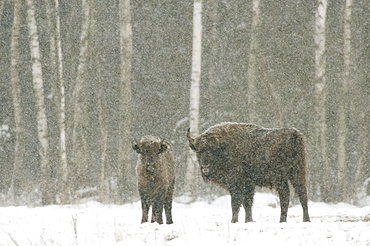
{"x": 191, "y": 140}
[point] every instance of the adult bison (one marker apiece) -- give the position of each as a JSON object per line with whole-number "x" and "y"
{"x": 239, "y": 157}
{"x": 156, "y": 177}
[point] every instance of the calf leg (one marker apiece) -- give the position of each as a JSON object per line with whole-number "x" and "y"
{"x": 168, "y": 211}
{"x": 157, "y": 211}
{"x": 145, "y": 204}
{"x": 283, "y": 190}
{"x": 168, "y": 205}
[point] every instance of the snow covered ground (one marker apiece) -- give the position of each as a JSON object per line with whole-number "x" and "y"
{"x": 198, "y": 223}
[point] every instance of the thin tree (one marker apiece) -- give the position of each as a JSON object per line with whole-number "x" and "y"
{"x": 343, "y": 169}
{"x": 126, "y": 50}
{"x": 62, "y": 110}
{"x": 95, "y": 53}
{"x": 102, "y": 105}
{"x": 214, "y": 20}
{"x": 321, "y": 165}
{"x": 79, "y": 101}
{"x": 252, "y": 64}
{"x": 17, "y": 178}
{"x": 42, "y": 127}
{"x": 191, "y": 177}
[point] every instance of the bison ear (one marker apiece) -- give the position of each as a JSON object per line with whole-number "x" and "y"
{"x": 163, "y": 146}
{"x": 136, "y": 147}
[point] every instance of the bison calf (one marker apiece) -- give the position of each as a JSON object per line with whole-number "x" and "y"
{"x": 156, "y": 177}
{"x": 239, "y": 157}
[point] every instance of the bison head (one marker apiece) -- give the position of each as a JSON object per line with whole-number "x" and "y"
{"x": 149, "y": 151}
{"x": 208, "y": 152}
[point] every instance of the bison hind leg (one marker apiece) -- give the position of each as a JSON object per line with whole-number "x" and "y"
{"x": 301, "y": 190}
{"x": 284, "y": 192}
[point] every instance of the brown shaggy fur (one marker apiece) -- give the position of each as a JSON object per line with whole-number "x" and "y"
{"x": 239, "y": 157}
{"x": 156, "y": 177}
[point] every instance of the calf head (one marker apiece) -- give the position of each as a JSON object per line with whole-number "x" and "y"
{"x": 149, "y": 151}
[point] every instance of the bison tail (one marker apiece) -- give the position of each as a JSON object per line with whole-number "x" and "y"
{"x": 299, "y": 174}
{"x": 299, "y": 156}
{"x": 297, "y": 163}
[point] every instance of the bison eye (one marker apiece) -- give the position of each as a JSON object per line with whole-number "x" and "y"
{"x": 137, "y": 148}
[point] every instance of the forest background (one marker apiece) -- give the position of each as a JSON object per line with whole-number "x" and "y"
{"x": 80, "y": 79}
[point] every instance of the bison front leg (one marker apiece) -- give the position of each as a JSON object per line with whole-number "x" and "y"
{"x": 284, "y": 200}
{"x": 235, "y": 205}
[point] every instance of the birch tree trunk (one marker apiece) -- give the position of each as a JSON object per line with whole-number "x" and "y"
{"x": 46, "y": 189}
{"x": 252, "y": 64}
{"x": 321, "y": 168}
{"x": 191, "y": 177}
{"x": 62, "y": 111}
{"x": 125, "y": 152}
{"x": 213, "y": 99}
{"x": 17, "y": 179}
{"x": 104, "y": 133}
{"x": 79, "y": 143}
{"x": 343, "y": 172}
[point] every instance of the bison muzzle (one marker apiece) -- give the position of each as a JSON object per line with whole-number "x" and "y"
{"x": 239, "y": 156}
{"x": 156, "y": 177}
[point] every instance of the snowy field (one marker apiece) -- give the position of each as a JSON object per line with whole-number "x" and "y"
{"x": 198, "y": 223}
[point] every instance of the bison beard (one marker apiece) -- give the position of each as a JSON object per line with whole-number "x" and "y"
{"x": 240, "y": 156}
{"x": 156, "y": 177}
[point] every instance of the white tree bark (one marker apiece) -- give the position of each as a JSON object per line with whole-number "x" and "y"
{"x": 41, "y": 115}
{"x": 126, "y": 50}
{"x": 16, "y": 185}
{"x": 343, "y": 172}
{"x": 252, "y": 64}
{"x": 320, "y": 94}
{"x": 104, "y": 134}
{"x": 191, "y": 177}
{"x": 62, "y": 111}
